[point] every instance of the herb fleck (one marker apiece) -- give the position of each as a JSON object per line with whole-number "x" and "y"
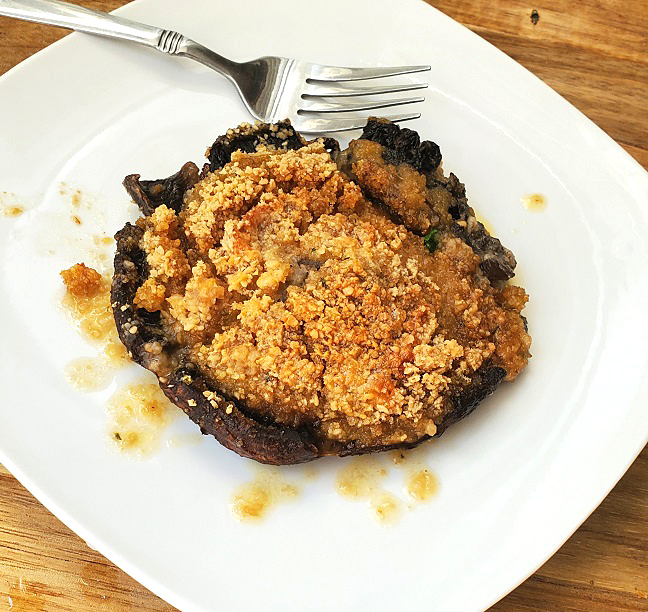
{"x": 431, "y": 241}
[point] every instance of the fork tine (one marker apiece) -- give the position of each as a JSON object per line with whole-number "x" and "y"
{"x": 338, "y": 73}
{"x": 343, "y": 107}
{"x": 324, "y": 126}
{"x": 339, "y": 91}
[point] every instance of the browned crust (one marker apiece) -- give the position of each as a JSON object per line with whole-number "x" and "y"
{"x": 227, "y": 419}
{"x": 237, "y": 429}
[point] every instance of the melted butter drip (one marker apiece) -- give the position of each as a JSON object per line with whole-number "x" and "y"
{"x": 189, "y": 439}
{"x": 253, "y": 500}
{"x": 93, "y": 318}
{"x": 362, "y": 478}
{"x": 421, "y": 485}
{"x": 115, "y": 352}
{"x": 386, "y": 507}
{"x": 92, "y": 315}
{"x": 12, "y": 211}
{"x": 138, "y": 414}
{"x": 75, "y": 198}
{"x": 10, "y": 205}
{"x": 534, "y": 201}
{"x": 99, "y": 244}
{"x": 88, "y": 373}
{"x": 311, "y": 473}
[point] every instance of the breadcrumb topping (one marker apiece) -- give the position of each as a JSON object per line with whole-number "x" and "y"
{"x": 303, "y": 300}
{"x": 82, "y": 281}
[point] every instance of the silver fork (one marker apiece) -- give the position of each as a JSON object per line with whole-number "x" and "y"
{"x": 272, "y": 88}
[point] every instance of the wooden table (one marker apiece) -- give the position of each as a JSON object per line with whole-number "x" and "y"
{"x": 593, "y": 52}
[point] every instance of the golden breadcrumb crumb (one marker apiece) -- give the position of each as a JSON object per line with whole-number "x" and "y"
{"x": 82, "y": 281}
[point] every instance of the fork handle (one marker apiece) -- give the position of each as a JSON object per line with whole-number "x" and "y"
{"x": 66, "y": 15}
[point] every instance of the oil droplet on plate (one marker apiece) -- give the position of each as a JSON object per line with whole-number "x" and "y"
{"x": 10, "y": 205}
{"x": 12, "y": 211}
{"x": 115, "y": 352}
{"x": 187, "y": 439}
{"x": 76, "y": 198}
{"x": 385, "y": 507}
{"x": 137, "y": 416}
{"x": 88, "y": 373}
{"x": 534, "y": 201}
{"x": 362, "y": 478}
{"x": 421, "y": 485}
{"x": 253, "y": 500}
{"x": 93, "y": 315}
{"x": 420, "y": 482}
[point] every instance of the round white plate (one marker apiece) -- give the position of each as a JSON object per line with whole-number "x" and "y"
{"x": 517, "y": 477}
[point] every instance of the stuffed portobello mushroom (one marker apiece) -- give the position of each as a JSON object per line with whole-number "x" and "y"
{"x": 297, "y": 301}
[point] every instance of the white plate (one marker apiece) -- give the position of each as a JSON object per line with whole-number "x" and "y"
{"x": 517, "y": 477}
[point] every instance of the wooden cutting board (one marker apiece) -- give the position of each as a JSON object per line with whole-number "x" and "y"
{"x": 593, "y": 52}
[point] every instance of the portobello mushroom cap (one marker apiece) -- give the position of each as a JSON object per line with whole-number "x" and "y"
{"x": 228, "y": 419}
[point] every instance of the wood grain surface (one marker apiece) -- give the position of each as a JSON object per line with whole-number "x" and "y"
{"x": 593, "y": 52}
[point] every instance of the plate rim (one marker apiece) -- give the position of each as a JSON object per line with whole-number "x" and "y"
{"x": 149, "y": 581}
